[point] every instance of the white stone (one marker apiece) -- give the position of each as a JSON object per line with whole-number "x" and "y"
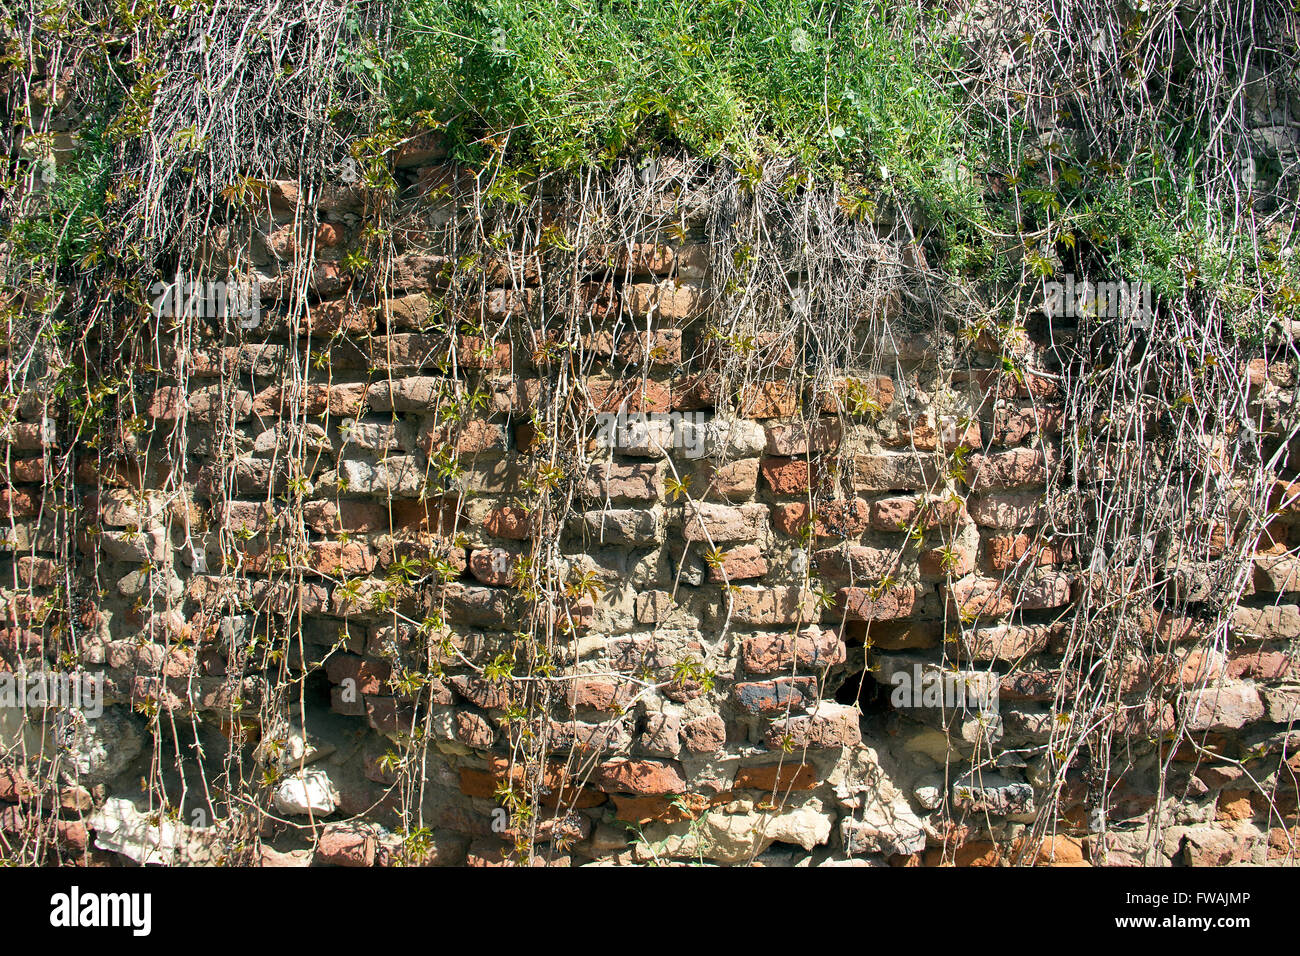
{"x": 307, "y": 792}
{"x": 121, "y": 828}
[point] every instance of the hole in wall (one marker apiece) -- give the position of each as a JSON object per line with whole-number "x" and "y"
{"x": 863, "y": 689}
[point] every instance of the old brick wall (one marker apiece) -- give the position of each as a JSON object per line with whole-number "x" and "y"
{"x": 723, "y": 674}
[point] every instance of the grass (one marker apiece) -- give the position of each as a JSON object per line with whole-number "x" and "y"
{"x": 64, "y": 229}
{"x": 838, "y": 86}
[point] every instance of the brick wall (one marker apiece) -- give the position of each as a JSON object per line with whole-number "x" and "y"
{"x": 742, "y": 575}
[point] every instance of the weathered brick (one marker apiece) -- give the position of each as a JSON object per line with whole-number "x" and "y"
{"x": 494, "y": 566}
{"x": 368, "y": 676}
{"x": 352, "y": 517}
{"x": 762, "y": 400}
{"x": 479, "y": 606}
{"x": 1278, "y": 622}
{"x": 1007, "y": 511}
{"x": 1227, "y": 705}
{"x": 896, "y": 514}
{"x": 704, "y": 735}
{"x": 653, "y": 606}
{"x": 951, "y": 561}
{"x": 829, "y": 727}
{"x": 628, "y": 526}
{"x": 671, "y": 301}
{"x": 733, "y": 481}
{"x": 1011, "y": 426}
{"x": 37, "y": 572}
{"x": 778, "y": 777}
{"x": 739, "y": 564}
{"x": 871, "y": 395}
{"x": 903, "y": 634}
{"x": 1009, "y": 642}
{"x": 472, "y": 436}
{"x": 635, "y": 482}
{"x": 802, "y": 438}
{"x": 340, "y": 558}
{"x": 774, "y": 605}
{"x": 432, "y": 515}
{"x": 659, "y": 347}
{"x": 510, "y": 521}
{"x": 777, "y": 653}
{"x": 628, "y": 395}
{"x": 867, "y": 604}
{"x": 346, "y": 844}
{"x": 706, "y": 522}
{"x": 775, "y": 696}
{"x": 856, "y": 561}
{"x": 646, "y": 777}
{"x": 16, "y": 503}
{"x": 488, "y": 694}
{"x": 587, "y": 693}
{"x": 898, "y": 472}
{"x": 844, "y": 518}
{"x": 412, "y": 394}
{"x": 1007, "y": 469}
{"x": 1004, "y": 550}
{"x": 786, "y": 476}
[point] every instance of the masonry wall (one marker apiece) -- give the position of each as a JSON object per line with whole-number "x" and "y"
{"x": 713, "y": 700}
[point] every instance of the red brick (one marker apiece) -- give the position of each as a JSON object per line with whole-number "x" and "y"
{"x": 629, "y": 395}
{"x": 901, "y": 472}
{"x": 763, "y": 400}
{"x": 858, "y": 396}
{"x": 470, "y": 437}
{"x": 494, "y": 566}
{"x": 369, "y": 676}
{"x": 856, "y": 561}
{"x": 347, "y": 401}
{"x": 646, "y": 777}
{"x": 864, "y": 604}
{"x": 1004, "y": 551}
{"x": 436, "y": 516}
{"x": 781, "y": 653}
{"x": 37, "y": 572}
{"x": 510, "y": 522}
{"x": 31, "y": 471}
{"x": 353, "y": 517}
{"x": 794, "y": 694}
{"x": 899, "y": 514}
{"x": 1011, "y": 426}
{"x": 704, "y": 735}
{"x": 340, "y": 558}
{"x": 838, "y": 518}
{"x": 739, "y": 564}
{"x": 345, "y": 844}
{"x": 786, "y": 476}
{"x": 778, "y": 777}
{"x": 707, "y": 522}
{"x": 661, "y": 347}
{"x": 18, "y": 504}
{"x": 586, "y": 693}
{"x": 943, "y": 562}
